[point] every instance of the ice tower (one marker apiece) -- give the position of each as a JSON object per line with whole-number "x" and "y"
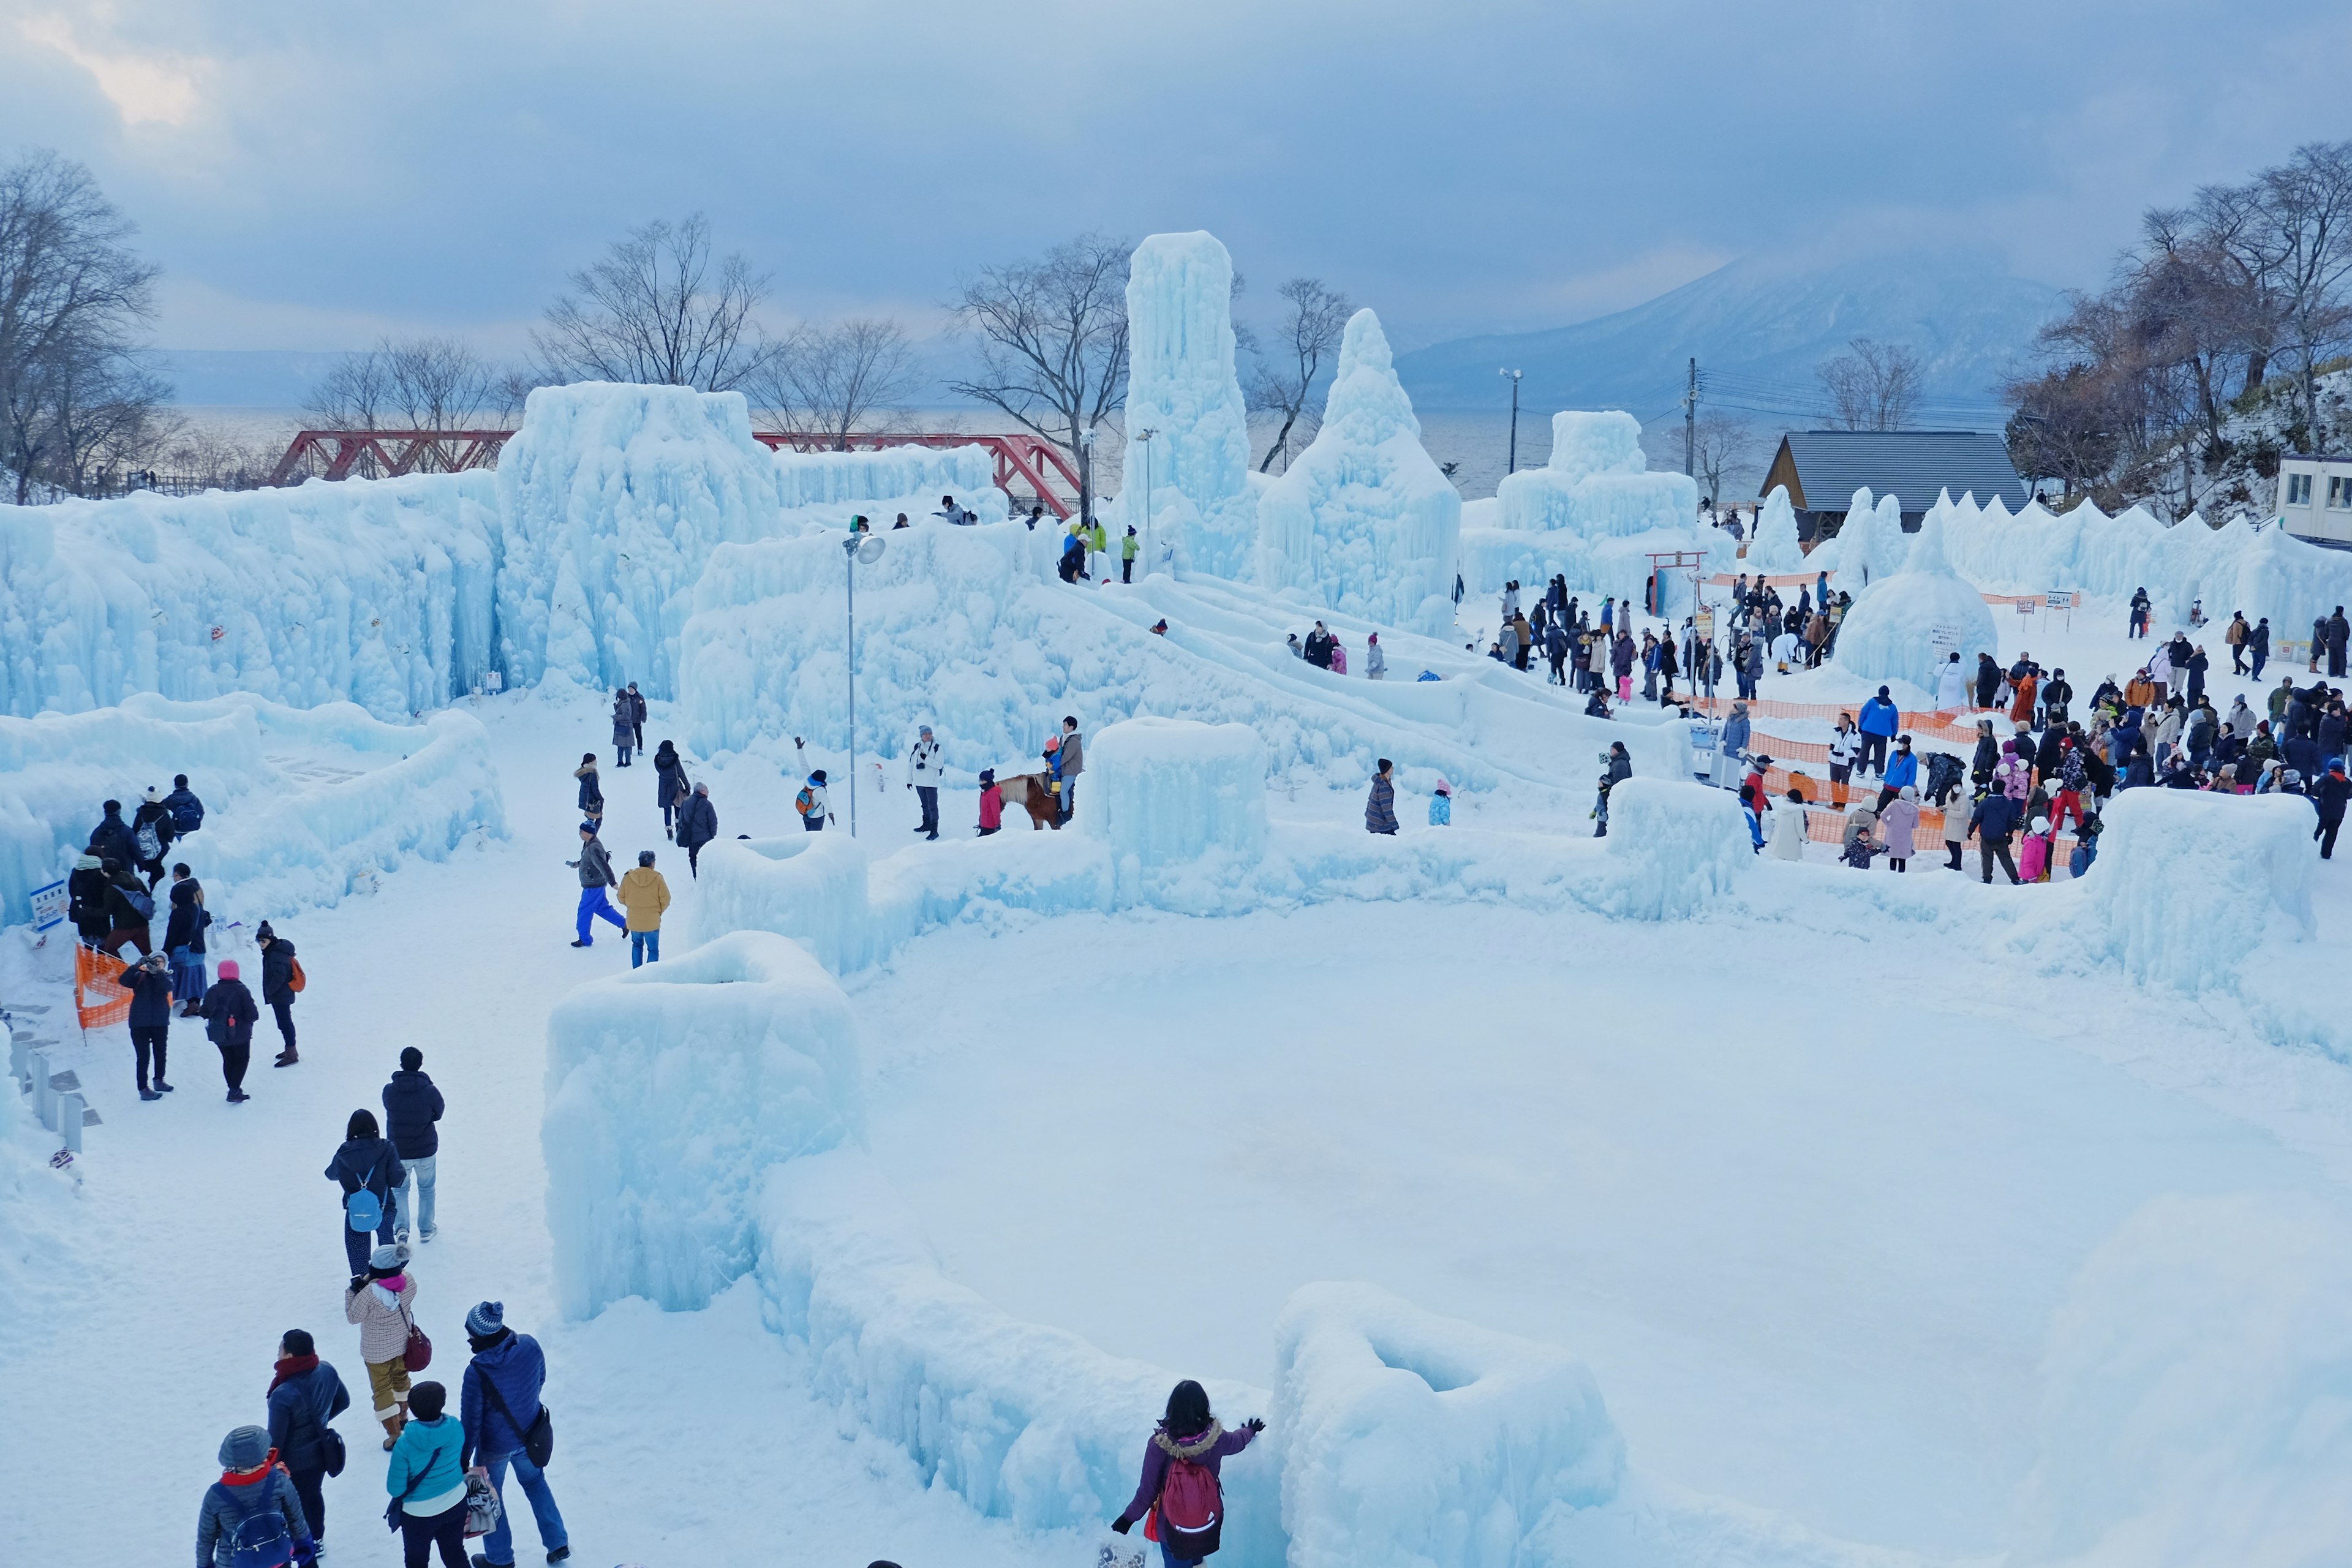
{"x": 1180, "y": 387}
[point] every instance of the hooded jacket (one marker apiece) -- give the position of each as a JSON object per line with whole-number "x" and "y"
{"x": 1209, "y": 1449}
{"x": 645, "y": 895}
{"x": 412, "y": 1104}
{"x": 698, "y": 822}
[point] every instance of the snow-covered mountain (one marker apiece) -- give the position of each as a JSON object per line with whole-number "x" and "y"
{"x": 1759, "y": 328}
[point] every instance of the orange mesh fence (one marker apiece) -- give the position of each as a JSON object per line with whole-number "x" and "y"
{"x": 1956, "y": 725}
{"x": 1825, "y": 819}
{"x": 94, "y": 975}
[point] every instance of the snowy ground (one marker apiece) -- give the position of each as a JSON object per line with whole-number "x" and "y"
{"x": 1803, "y": 1191}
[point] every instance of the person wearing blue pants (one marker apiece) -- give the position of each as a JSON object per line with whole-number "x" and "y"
{"x": 595, "y": 868}
{"x": 500, "y": 1405}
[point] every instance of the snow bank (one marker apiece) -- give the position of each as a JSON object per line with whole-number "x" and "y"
{"x": 810, "y": 886}
{"x": 1906, "y": 625}
{"x": 1180, "y": 387}
{"x": 1593, "y": 515}
{"x": 1166, "y": 791}
{"x": 1418, "y": 1441}
{"x": 614, "y": 498}
{"x": 1023, "y": 1422}
{"x": 1776, "y": 547}
{"x": 920, "y": 473}
{"x": 377, "y": 593}
{"x": 671, "y": 1090}
{"x": 297, "y": 800}
{"x": 2194, "y": 1392}
{"x": 2189, "y": 886}
{"x": 1364, "y": 522}
{"x": 1675, "y": 846}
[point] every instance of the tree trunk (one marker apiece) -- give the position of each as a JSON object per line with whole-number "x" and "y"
{"x": 1281, "y": 441}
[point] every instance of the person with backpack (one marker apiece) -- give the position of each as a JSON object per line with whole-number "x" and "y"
{"x": 812, "y": 804}
{"x": 697, "y": 825}
{"x": 149, "y": 984}
{"x": 592, "y": 790}
{"x": 281, "y": 980}
{"x": 923, "y": 768}
{"x": 151, "y": 832}
{"x": 129, "y": 908}
{"x": 251, "y": 1517}
{"x": 624, "y": 726}
{"x": 412, "y": 1104}
{"x": 1181, "y": 1490}
{"x": 595, "y": 868}
{"x": 305, "y": 1394}
{"x": 367, "y": 1168}
{"x": 183, "y": 938}
{"x": 1380, "y": 806}
{"x": 230, "y": 1014}
{"x": 187, "y": 811}
{"x": 507, "y": 1423}
{"x": 86, "y": 900}
{"x": 427, "y": 1482}
{"x": 645, "y": 895}
{"x": 110, "y": 839}
{"x": 381, "y": 1299}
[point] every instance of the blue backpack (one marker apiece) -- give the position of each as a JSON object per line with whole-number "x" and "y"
{"x": 259, "y": 1540}
{"x": 365, "y": 1209}
{"x": 187, "y": 812}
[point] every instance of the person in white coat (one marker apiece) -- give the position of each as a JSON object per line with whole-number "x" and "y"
{"x": 1789, "y": 830}
{"x": 1952, "y": 687}
{"x": 923, "y": 778}
{"x": 1376, "y": 663}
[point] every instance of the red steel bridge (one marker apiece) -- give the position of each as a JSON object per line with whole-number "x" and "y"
{"x": 1035, "y": 465}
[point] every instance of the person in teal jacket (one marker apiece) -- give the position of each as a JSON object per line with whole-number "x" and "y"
{"x": 1441, "y": 805}
{"x": 428, "y": 1481}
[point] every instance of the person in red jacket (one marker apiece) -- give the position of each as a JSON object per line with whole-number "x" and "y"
{"x": 992, "y": 802}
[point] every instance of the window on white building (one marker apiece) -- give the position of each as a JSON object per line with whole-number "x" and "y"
{"x": 2298, "y": 489}
{"x": 2339, "y": 491}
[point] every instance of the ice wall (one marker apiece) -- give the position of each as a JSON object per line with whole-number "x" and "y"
{"x": 1416, "y": 1441}
{"x": 826, "y": 478}
{"x": 1168, "y": 791}
{"x": 1180, "y": 387}
{"x": 671, "y": 1090}
{"x": 367, "y": 795}
{"x": 377, "y": 593}
{"x": 1776, "y": 547}
{"x": 1593, "y": 515}
{"x": 614, "y": 498}
{"x": 1673, "y": 848}
{"x": 2194, "y": 1392}
{"x": 1364, "y": 522}
{"x": 1906, "y": 624}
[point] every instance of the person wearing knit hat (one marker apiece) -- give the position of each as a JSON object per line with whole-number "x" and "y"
{"x": 381, "y": 1300}
{"x": 253, "y": 1503}
{"x": 501, "y": 1403}
{"x": 229, "y": 1014}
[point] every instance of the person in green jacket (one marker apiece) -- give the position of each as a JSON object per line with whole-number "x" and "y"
{"x": 1127, "y": 556}
{"x": 427, "y": 1481}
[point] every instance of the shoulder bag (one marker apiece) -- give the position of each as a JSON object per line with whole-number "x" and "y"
{"x": 539, "y": 1442}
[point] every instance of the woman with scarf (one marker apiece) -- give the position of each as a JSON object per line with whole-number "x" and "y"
{"x": 378, "y": 1299}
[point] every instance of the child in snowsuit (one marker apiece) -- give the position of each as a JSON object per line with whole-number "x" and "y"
{"x": 1441, "y": 805}
{"x": 2033, "y": 854}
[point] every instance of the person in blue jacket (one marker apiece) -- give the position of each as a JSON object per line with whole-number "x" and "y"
{"x": 1903, "y": 768}
{"x": 1878, "y": 722}
{"x": 1994, "y": 820}
{"x": 1730, "y": 746}
{"x": 501, "y": 1406}
{"x": 253, "y": 1503}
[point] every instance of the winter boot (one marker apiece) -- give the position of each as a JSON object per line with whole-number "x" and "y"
{"x": 287, "y": 1057}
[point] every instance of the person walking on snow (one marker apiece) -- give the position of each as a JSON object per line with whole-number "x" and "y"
{"x": 645, "y": 895}
{"x": 281, "y": 980}
{"x": 668, "y": 776}
{"x": 812, "y": 804}
{"x": 187, "y": 811}
{"x": 183, "y": 938}
{"x": 252, "y": 1513}
{"x": 367, "y": 1170}
{"x": 923, "y": 767}
{"x": 1376, "y": 663}
{"x": 149, "y": 984}
{"x": 230, "y": 1013}
{"x": 1787, "y": 840}
{"x": 412, "y": 1104}
{"x": 1952, "y": 687}
{"x": 992, "y": 803}
{"x": 624, "y": 726}
{"x": 1879, "y": 720}
{"x": 595, "y": 870}
{"x": 1180, "y": 1487}
{"x": 1441, "y": 805}
{"x": 110, "y": 839}
{"x": 500, "y": 1405}
{"x": 697, "y": 825}
{"x": 2330, "y": 795}
{"x": 1898, "y": 822}
{"x": 305, "y": 1395}
{"x": 151, "y": 832}
{"x": 636, "y": 718}
{"x": 380, "y": 1299}
{"x": 428, "y": 1483}
{"x": 1380, "y": 806}
{"x": 592, "y": 792}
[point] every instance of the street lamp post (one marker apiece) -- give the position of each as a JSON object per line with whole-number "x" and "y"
{"x": 1515, "y": 375}
{"x": 868, "y": 548}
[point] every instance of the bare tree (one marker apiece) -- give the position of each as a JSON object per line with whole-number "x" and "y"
{"x": 75, "y": 402}
{"x": 828, "y": 380}
{"x": 354, "y": 395}
{"x": 1053, "y": 336}
{"x": 1279, "y": 384}
{"x": 2307, "y": 239}
{"x": 408, "y": 384}
{"x": 1871, "y": 385}
{"x": 659, "y": 308}
{"x": 1722, "y": 442}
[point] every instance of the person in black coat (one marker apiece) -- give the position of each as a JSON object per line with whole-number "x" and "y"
{"x": 129, "y": 907}
{"x": 1987, "y": 679}
{"x": 592, "y": 792}
{"x": 110, "y": 839}
{"x": 149, "y": 984}
{"x": 636, "y": 716}
{"x": 2330, "y": 793}
{"x": 667, "y": 771}
{"x": 183, "y": 938}
{"x": 697, "y": 825}
{"x": 366, "y": 1159}
{"x": 278, "y": 988}
{"x": 86, "y": 898}
{"x": 305, "y": 1394}
{"x": 412, "y": 1104}
{"x": 230, "y": 1014}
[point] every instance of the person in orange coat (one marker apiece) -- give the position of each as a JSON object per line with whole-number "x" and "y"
{"x": 2022, "y": 710}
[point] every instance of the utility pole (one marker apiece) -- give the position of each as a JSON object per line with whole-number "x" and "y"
{"x": 1515, "y": 375}
{"x": 1690, "y": 423}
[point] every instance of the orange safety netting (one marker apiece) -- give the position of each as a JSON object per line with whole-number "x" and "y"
{"x": 94, "y": 974}
{"x": 1828, "y": 825}
{"x": 1957, "y": 725}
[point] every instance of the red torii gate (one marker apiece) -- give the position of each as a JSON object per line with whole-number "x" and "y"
{"x": 1030, "y": 459}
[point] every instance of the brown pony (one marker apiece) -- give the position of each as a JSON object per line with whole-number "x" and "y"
{"x": 1028, "y": 791}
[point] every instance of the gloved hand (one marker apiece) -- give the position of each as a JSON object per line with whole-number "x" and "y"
{"x": 1255, "y": 1425}
{"x": 1122, "y": 1524}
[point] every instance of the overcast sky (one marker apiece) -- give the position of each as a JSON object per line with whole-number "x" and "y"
{"x": 312, "y": 176}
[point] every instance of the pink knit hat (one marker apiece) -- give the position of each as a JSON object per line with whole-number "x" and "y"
{"x": 228, "y": 969}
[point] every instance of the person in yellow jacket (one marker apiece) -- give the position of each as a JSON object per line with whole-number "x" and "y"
{"x": 1127, "y": 548}
{"x": 645, "y": 895}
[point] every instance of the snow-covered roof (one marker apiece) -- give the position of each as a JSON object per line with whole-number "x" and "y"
{"x": 1914, "y": 465}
